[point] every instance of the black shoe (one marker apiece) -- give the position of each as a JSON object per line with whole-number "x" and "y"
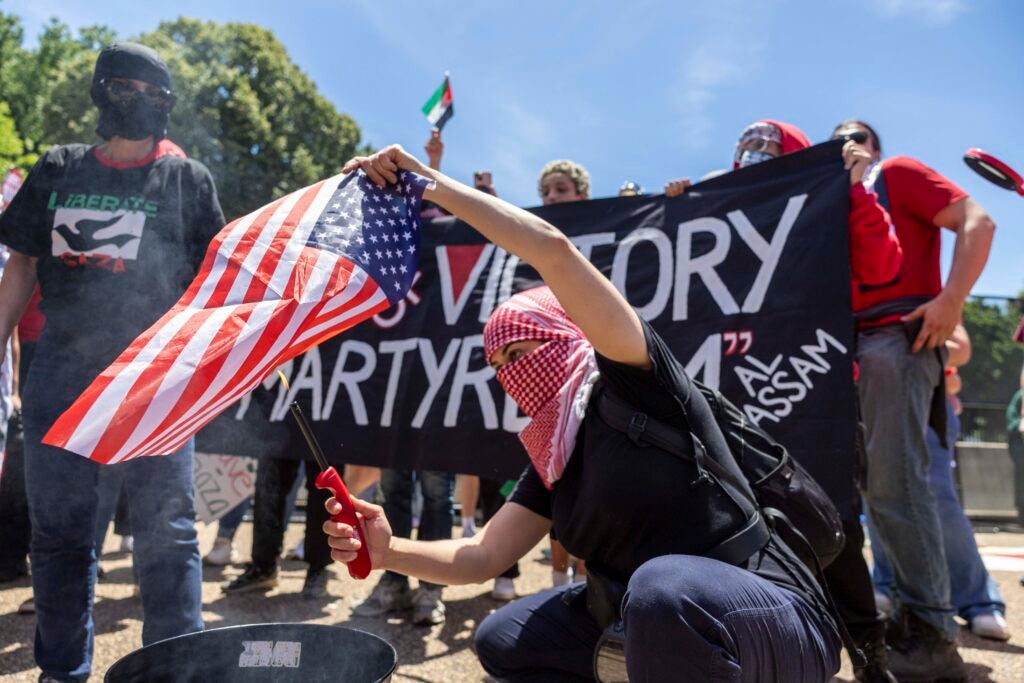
{"x": 315, "y": 585}
{"x": 923, "y": 655}
{"x": 876, "y": 665}
{"x": 14, "y": 571}
{"x": 253, "y": 579}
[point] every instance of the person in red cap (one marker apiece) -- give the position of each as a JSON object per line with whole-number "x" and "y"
{"x": 875, "y": 253}
{"x": 651, "y": 525}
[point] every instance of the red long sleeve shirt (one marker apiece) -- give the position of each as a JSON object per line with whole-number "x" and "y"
{"x": 875, "y": 253}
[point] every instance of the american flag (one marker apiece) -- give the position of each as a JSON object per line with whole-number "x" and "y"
{"x": 273, "y": 284}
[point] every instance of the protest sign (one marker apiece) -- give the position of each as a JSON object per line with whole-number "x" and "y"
{"x": 746, "y": 276}
{"x": 222, "y": 482}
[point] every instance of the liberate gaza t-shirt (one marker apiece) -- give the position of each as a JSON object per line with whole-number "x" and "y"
{"x": 117, "y": 244}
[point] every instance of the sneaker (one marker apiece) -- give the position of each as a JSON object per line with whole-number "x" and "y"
{"x": 222, "y": 554}
{"x": 923, "y": 654}
{"x": 504, "y": 589}
{"x": 27, "y": 607}
{"x": 390, "y": 596}
{"x": 297, "y": 553}
{"x": 992, "y": 626}
{"x": 252, "y": 579}
{"x": 883, "y": 603}
{"x": 315, "y": 585}
{"x": 427, "y": 608}
{"x": 127, "y": 544}
{"x": 876, "y": 664}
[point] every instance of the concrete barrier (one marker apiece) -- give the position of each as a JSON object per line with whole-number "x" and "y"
{"x": 986, "y": 479}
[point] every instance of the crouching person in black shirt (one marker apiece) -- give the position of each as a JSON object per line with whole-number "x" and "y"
{"x": 639, "y": 517}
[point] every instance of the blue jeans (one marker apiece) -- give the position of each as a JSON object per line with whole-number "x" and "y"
{"x": 229, "y": 523}
{"x": 438, "y": 507}
{"x": 63, "y": 497}
{"x": 686, "y": 619}
{"x": 109, "y": 489}
{"x": 896, "y": 388}
{"x": 972, "y": 589}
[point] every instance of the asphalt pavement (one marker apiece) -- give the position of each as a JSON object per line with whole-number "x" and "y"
{"x": 441, "y": 654}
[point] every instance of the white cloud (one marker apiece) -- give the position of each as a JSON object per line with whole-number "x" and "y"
{"x": 932, "y": 11}
{"x": 519, "y": 137}
{"x": 729, "y": 55}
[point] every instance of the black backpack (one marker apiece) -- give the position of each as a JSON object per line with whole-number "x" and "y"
{"x": 789, "y": 501}
{"x": 784, "y": 498}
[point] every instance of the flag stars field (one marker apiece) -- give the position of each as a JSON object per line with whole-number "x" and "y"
{"x": 274, "y": 283}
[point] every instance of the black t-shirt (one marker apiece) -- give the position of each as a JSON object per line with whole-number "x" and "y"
{"x": 619, "y": 505}
{"x": 117, "y": 245}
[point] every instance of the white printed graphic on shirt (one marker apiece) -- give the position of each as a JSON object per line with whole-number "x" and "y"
{"x": 90, "y": 232}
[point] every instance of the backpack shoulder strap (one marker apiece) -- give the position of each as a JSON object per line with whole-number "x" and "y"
{"x": 643, "y": 430}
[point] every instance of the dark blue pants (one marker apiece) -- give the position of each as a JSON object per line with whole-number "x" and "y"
{"x": 686, "y": 618}
{"x": 275, "y": 478}
{"x": 63, "y": 499}
{"x": 436, "y": 516}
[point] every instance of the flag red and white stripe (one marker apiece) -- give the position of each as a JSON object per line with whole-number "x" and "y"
{"x": 272, "y": 285}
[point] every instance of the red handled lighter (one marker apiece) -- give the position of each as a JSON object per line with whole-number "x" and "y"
{"x": 328, "y": 479}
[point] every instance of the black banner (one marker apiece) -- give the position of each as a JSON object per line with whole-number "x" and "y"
{"x": 746, "y": 276}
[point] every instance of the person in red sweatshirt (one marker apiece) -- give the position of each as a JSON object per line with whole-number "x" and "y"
{"x": 902, "y": 331}
{"x": 875, "y": 257}
{"x": 875, "y": 253}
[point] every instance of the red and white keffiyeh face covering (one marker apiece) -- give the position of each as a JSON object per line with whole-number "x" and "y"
{"x": 551, "y": 384}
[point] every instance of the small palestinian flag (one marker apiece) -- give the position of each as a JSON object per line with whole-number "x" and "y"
{"x": 439, "y": 108}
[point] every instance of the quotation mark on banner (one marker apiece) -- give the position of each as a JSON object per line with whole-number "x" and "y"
{"x": 742, "y": 339}
{"x": 385, "y": 322}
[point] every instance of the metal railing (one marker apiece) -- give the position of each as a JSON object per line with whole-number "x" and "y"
{"x": 983, "y": 421}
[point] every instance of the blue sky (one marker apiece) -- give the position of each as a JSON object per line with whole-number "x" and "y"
{"x": 650, "y": 91}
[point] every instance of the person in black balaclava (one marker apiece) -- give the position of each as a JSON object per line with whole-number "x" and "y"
{"x": 113, "y": 233}
{"x": 132, "y": 89}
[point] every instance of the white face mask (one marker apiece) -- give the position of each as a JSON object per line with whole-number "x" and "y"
{"x": 749, "y": 157}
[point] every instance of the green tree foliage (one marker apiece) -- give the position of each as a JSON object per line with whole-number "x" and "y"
{"x": 993, "y": 373}
{"x": 244, "y": 108}
{"x": 12, "y": 149}
{"x": 29, "y": 80}
{"x": 12, "y": 145}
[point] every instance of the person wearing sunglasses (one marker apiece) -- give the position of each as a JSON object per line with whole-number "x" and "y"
{"x": 901, "y": 352}
{"x": 113, "y": 233}
{"x": 875, "y": 257}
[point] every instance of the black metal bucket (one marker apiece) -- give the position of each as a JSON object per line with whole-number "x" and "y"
{"x": 261, "y": 652}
